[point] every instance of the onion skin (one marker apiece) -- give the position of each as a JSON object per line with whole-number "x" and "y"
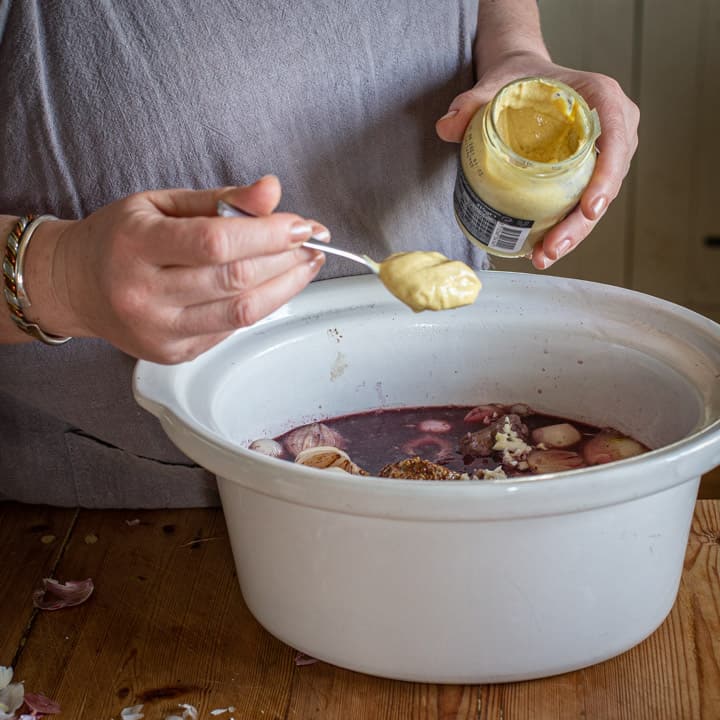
{"x": 55, "y": 595}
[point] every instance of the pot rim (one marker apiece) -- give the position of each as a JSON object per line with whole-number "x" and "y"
{"x": 570, "y": 491}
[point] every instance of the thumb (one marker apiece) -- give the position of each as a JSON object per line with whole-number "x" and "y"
{"x": 260, "y": 198}
{"x": 451, "y": 126}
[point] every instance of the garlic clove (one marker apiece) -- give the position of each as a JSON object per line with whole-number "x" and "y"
{"x": 561, "y": 435}
{"x": 267, "y": 446}
{"x": 313, "y": 435}
{"x": 329, "y": 458}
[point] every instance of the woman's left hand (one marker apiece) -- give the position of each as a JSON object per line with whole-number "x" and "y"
{"x": 619, "y": 118}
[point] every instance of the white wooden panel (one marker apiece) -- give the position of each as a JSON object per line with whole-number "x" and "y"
{"x": 703, "y": 281}
{"x": 668, "y": 159}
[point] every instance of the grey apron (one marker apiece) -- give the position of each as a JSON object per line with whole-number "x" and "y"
{"x": 105, "y": 98}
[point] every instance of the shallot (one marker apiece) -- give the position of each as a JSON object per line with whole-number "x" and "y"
{"x": 485, "y": 413}
{"x": 329, "y": 458}
{"x": 267, "y": 446}
{"x": 561, "y": 435}
{"x": 521, "y": 409}
{"x": 313, "y": 435}
{"x": 610, "y": 445}
{"x": 549, "y": 461}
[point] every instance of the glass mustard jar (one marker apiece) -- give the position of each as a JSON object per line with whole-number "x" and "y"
{"x": 525, "y": 159}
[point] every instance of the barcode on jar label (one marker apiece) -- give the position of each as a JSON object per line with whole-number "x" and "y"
{"x": 488, "y": 226}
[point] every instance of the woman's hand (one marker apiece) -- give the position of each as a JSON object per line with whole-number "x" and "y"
{"x": 619, "y": 118}
{"x": 161, "y": 277}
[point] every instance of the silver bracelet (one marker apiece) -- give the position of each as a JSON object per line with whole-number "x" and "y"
{"x": 13, "y": 268}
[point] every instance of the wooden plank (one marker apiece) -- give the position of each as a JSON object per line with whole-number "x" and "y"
{"x": 596, "y": 35}
{"x": 167, "y": 625}
{"x": 32, "y": 540}
{"x": 328, "y": 693}
{"x": 673, "y": 674}
{"x": 710, "y": 485}
{"x": 667, "y": 156}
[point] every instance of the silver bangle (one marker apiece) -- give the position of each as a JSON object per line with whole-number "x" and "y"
{"x": 13, "y": 269}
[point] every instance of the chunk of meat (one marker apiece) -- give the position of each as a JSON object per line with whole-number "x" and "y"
{"x": 481, "y": 442}
{"x": 417, "y": 468}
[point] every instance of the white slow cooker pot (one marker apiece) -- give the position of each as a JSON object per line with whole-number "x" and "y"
{"x": 462, "y": 582}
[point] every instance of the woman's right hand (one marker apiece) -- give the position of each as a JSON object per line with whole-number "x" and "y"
{"x": 160, "y": 276}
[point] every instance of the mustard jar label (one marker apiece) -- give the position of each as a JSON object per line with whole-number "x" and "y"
{"x": 488, "y": 226}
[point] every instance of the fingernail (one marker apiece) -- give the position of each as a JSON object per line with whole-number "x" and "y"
{"x": 320, "y": 233}
{"x": 449, "y": 114}
{"x": 563, "y": 247}
{"x": 545, "y": 262}
{"x": 317, "y": 261}
{"x": 597, "y": 208}
{"x": 300, "y": 231}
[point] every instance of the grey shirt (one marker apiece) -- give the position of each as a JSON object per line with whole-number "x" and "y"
{"x": 101, "y": 99}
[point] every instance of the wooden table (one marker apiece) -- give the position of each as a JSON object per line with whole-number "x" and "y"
{"x": 167, "y": 625}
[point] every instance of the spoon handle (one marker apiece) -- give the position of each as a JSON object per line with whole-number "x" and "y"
{"x": 364, "y": 259}
{"x": 227, "y": 210}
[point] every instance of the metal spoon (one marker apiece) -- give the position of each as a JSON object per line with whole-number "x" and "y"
{"x": 227, "y": 210}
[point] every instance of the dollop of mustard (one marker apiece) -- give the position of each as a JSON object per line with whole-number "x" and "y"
{"x": 429, "y": 280}
{"x": 538, "y": 121}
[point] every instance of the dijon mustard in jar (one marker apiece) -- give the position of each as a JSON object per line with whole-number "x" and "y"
{"x": 525, "y": 159}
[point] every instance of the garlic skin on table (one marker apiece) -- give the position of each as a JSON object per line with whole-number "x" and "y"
{"x": 12, "y": 694}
